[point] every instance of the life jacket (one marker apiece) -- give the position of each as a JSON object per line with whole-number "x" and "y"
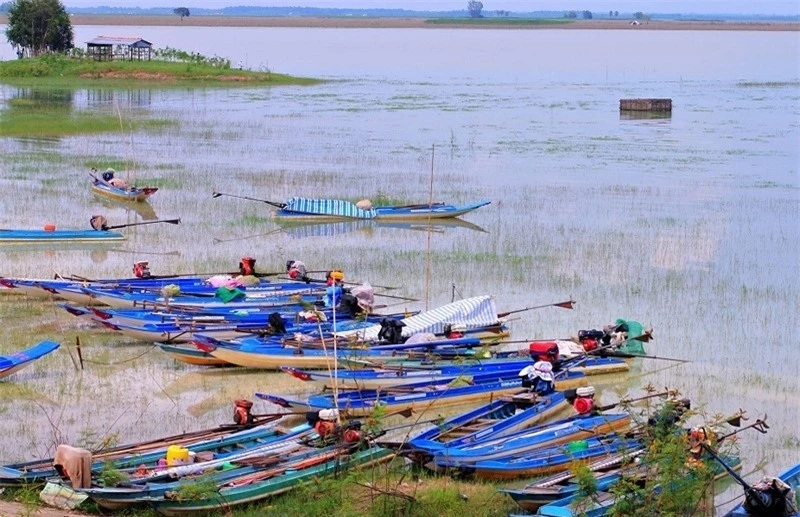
{"x": 141, "y": 269}
{"x": 247, "y": 266}
{"x": 241, "y": 412}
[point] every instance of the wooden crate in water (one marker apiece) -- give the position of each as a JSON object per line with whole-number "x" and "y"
{"x": 645, "y": 104}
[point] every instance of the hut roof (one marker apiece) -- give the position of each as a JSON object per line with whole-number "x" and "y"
{"x": 120, "y": 40}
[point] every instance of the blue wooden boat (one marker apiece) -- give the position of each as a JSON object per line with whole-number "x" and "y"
{"x": 607, "y": 471}
{"x": 603, "y": 500}
{"x": 791, "y": 477}
{"x": 190, "y": 354}
{"x": 525, "y": 441}
{"x": 307, "y": 209}
{"x": 419, "y": 396}
{"x": 132, "y": 455}
{"x": 8, "y": 236}
{"x": 378, "y": 378}
{"x": 496, "y": 419}
{"x": 12, "y": 363}
{"x": 540, "y": 461}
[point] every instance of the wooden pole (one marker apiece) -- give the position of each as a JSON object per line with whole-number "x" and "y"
{"x": 78, "y": 347}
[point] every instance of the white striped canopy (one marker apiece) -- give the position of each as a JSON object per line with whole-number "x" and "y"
{"x": 331, "y": 207}
{"x": 475, "y": 312}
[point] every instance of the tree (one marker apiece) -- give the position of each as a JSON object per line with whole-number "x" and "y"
{"x": 181, "y": 11}
{"x": 587, "y": 15}
{"x": 39, "y": 26}
{"x": 639, "y": 15}
{"x": 475, "y": 7}
{"x": 571, "y": 14}
{"x": 610, "y": 14}
{"x": 616, "y": 13}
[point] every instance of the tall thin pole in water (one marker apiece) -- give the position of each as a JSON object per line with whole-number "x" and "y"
{"x": 428, "y": 249}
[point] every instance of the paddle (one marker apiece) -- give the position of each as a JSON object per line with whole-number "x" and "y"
{"x": 271, "y": 203}
{"x": 118, "y": 226}
{"x": 563, "y": 305}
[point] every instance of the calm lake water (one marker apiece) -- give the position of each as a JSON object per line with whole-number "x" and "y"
{"x": 690, "y": 223}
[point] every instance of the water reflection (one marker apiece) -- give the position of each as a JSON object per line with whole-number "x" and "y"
{"x": 133, "y": 98}
{"x": 645, "y": 115}
{"x": 143, "y": 209}
{"x": 302, "y": 230}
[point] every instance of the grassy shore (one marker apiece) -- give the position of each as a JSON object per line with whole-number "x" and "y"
{"x": 65, "y": 71}
{"x": 421, "y": 23}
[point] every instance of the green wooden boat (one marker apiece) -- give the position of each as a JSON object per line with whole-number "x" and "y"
{"x": 287, "y": 477}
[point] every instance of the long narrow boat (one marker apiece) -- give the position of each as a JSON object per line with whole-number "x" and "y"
{"x": 419, "y": 397}
{"x": 273, "y": 481}
{"x": 496, "y": 419}
{"x": 600, "y": 504}
{"x": 14, "y": 362}
{"x": 607, "y": 472}
{"x": 541, "y": 461}
{"x": 791, "y": 477}
{"x": 16, "y": 236}
{"x": 307, "y": 209}
{"x": 275, "y": 447}
{"x": 525, "y": 441}
{"x": 135, "y": 194}
{"x": 39, "y": 470}
{"x": 190, "y": 354}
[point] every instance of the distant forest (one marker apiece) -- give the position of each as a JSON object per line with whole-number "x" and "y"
{"x": 405, "y": 13}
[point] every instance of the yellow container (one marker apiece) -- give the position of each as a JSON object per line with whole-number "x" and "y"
{"x": 177, "y": 455}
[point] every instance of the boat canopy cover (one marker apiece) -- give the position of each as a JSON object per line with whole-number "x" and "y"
{"x": 331, "y": 207}
{"x": 475, "y": 312}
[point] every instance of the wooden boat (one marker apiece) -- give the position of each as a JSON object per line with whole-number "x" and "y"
{"x": 544, "y": 491}
{"x": 419, "y": 397}
{"x": 525, "y": 441}
{"x": 496, "y": 419}
{"x": 791, "y": 477}
{"x": 603, "y": 500}
{"x": 12, "y": 363}
{"x": 540, "y": 461}
{"x": 46, "y": 235}
{"x": 135, "y": 194}
{"x": 307, "y": 209}
{"x": 39, "y": 470}
{"x": 137, "y": 488}
{"x": 190, "y": 354}
{"x": 273, "y": 481}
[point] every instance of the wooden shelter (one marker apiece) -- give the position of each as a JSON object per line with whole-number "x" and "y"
{"x": 106, "y": 48}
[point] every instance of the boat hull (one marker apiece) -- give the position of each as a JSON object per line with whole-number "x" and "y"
{"x": 135, "y": 195}
{"x": 35, "y": 236}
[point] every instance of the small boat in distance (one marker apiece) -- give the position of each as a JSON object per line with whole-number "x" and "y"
{"x": 109, "y": 186}
{"x": 14, "y": 362}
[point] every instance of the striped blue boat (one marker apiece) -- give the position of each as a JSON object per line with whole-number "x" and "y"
{"x": 332, "y": 209}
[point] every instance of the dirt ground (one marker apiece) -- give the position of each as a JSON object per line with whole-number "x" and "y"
{"x": 405, "y": 23}
{"x": 8, "y": 509}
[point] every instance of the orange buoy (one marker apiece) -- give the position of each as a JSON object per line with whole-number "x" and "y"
{"x": 49, "y": 227}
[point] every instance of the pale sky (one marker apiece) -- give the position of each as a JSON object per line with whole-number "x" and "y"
{"x": 781, "y": 7}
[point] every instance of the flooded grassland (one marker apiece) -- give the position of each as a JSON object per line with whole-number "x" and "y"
{"x": 687, "y": 223}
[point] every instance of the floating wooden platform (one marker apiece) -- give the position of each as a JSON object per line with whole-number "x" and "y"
{"x": 645, "y": 104}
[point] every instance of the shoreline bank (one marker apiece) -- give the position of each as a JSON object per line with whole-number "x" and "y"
{"x": 413, "y": 23}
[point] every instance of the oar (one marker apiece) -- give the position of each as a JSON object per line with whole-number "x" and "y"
{"x": 623, "y": 354}
{"x": 321, "y": 281}
{"x": 563, "y": 305}
{"x": 168, "y": 221}
{"x": 631, "y": 401}
{"x": 271, "y": 232}
{"x": 271, "y": 203}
